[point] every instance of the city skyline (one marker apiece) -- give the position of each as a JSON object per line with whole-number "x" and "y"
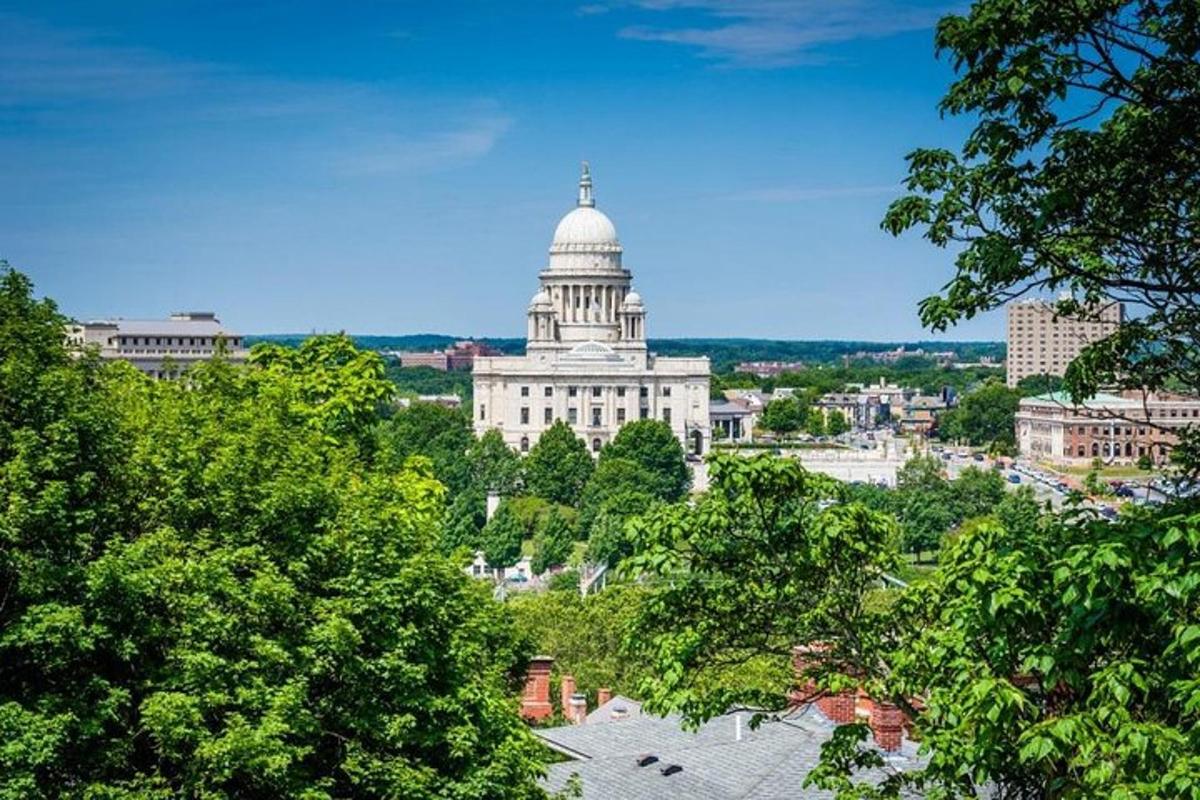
{"x": 393, "y": 172}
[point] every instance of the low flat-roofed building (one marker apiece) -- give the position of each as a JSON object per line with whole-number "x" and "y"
{"x": 161, "y": 348}
{"x": 1114, "y": 428}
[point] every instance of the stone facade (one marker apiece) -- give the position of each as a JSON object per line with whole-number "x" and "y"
{"x": 586, "y": 360}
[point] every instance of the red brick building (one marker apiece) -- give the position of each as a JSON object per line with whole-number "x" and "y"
{"x": 1113, "y": 428}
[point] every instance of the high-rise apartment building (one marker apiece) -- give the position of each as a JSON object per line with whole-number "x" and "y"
{"x": 1040, "y": 342}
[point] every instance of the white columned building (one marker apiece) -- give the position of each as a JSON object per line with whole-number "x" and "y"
{"x": 586, "y": 360}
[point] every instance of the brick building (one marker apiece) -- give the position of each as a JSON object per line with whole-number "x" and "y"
{"x": 1114, "y": 428}
{"x": 458, "y": 356}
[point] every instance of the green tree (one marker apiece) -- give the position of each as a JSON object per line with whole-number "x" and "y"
{"x": 443, "y": 435}
{"x": 1033, "y": 385}
{"x": 212, "y": 589}
{"x": 837, "y": 423}
{"x": 495, "y": 467}
{"x": 923, "y": 473}
{"x": 814, "y": 423}
{"x": 652, "y": 446}
{"x": 553, "y": 544}
{"x": 756, "y": 565}
{"x": 987, "y": 416}
{"x": 1079, "y": 175}
{"x": 501, "y": 538}
{"x": 976, "y": 492}
{"x": 613, "y": 476}
{"x": 784, "y": 415}
{"x": 464, "y": 520}
{"x": 608, "y": 538}
{"x": 558, "y": 466}
{"x": 584, "y": 634}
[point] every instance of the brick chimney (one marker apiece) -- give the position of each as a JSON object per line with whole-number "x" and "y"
{"x": 838, "y": 708}
{"x": 564, "y": 695}
{"x": 887, "y": 725}
{"x": 603, "y": 695}
{"x": 577, "y": 713}
{"x": 535, "y": 702}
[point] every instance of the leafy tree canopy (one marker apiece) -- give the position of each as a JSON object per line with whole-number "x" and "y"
{"x": 1081, "y": 174}
{"x": 757, "y": 565}
{"x": 558, "y": 466}
{"x": 553, "y": 544}
{"x": 986, "y": 417}
{"x": 212, "y": 590}
{"x": 495, "y": 467}
{"x": 501, "y": 538}
{"x": 652, "y": 446}
{"x": 443, "y": 435}
{"x": 784, "y": 415}
{"x": 613, "y": 476}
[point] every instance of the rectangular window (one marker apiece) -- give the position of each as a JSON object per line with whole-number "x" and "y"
{"x": 524, "y": 415}
{"x": 524, "y": 391}
{"x": 666, "y": 390}
{"x": 482, "y": 411}
{"x": 644, "y": 391}
{"x": 595, "y": 391}
{"x": 572, "y": 391}
{"x": 645, "y": 413}
{"x": 620, "y": 391}
{"x": 549, "y": 391}
{"x": 572, "y": 416}
{"x": 548, "y": 417}
{"x": 620, "y": 416}
{"x": 595, "y": 417}
{"x": 666, "y": 415}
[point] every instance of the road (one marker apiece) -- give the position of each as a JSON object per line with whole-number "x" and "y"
{"x": 1043, "y": 491}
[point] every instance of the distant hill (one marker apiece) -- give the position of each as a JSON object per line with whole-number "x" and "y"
{"x": 725, "y": 353}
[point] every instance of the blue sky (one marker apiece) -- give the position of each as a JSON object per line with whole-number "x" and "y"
{"x": 397, "y": 167}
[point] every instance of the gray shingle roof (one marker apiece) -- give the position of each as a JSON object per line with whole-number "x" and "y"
{"x": 765, "y": 764}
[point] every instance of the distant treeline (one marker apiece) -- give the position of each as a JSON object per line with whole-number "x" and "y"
{"x": 725, "y": 353}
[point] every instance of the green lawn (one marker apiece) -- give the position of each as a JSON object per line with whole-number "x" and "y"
{"x": 1109, "y": 471}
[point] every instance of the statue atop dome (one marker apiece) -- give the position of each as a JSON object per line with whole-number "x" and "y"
{"x": 585, "y": 188}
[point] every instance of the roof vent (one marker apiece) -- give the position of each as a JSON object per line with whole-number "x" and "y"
{"x": 646, "y": 761}
{"x": 671, "y": 769}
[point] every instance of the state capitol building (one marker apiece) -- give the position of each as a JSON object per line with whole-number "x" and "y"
{"x": 586, "y": 360}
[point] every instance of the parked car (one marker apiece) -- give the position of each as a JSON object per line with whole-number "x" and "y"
{"x": 978, "y": 456}
{"x": 1014, "y": 478}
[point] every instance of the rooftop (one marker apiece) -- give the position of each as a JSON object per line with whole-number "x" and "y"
{"x": 722, "y": 760}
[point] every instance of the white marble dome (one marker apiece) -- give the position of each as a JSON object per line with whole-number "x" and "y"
{"x": 585, "y": 229}
{"x": 633, "y": 299}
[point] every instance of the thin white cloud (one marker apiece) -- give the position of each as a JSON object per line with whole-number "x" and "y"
{"x": 802, "y": 194}
{"x": 39, "y": 63}
{"x": 392, "y": 154}
{"x": 777, "y": 33}
{"x": 76, "y": 79}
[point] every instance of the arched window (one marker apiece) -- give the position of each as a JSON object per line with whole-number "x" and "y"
{"x": 1095, "y": 449}
{"x": 596, "y": 445}
{"x": 1128, "y": 448}
{"x": 524, "y": 444}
